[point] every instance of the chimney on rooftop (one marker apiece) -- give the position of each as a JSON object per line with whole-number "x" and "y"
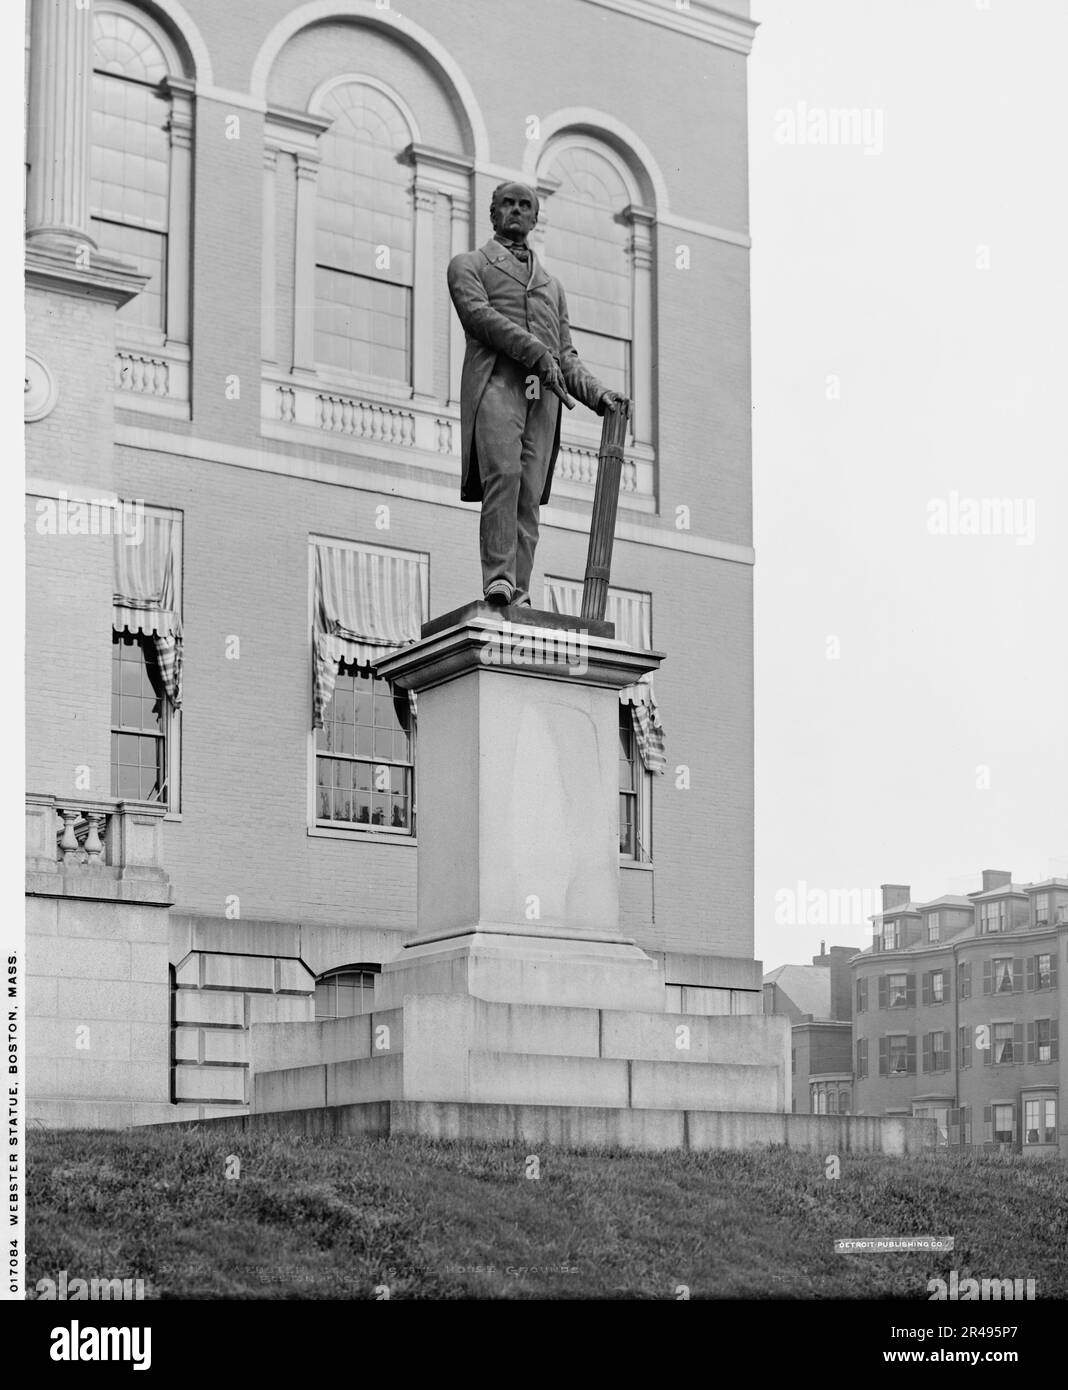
{"x": 841, "y": 985}
{"x": 894, "y": 895}
{"x": 996, "y": 878}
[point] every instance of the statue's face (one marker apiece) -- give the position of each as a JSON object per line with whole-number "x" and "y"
{"x": 514, "y": 211}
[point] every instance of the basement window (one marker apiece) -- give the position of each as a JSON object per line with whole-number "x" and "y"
{"x": 345, "y": 993}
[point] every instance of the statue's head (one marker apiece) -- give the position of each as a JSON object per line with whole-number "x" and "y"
{"x": 514, "y": 210}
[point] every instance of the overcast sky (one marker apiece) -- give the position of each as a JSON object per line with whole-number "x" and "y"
{"x": 910, "y": 312}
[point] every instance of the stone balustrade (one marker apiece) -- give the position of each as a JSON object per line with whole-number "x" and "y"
{"x": 97, "y": 842}
{"x": 412, "y": 430}
{"x": 154, "y": 379}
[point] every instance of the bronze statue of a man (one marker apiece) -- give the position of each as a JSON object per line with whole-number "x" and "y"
{"x": 519, "y": 363}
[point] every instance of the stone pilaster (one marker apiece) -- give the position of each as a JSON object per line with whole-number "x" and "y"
{"x": 61, "y": 70}
{"x": 61, "y": 253}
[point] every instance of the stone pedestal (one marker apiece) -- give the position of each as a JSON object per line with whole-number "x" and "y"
{"x": 518, "y": 814}
{"x": 519, "y": 1011}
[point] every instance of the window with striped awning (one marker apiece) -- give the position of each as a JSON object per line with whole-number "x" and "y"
{"x": 147, "y": 596}
{"x": 631, "y": 612}
{"x": 368, "y": 601}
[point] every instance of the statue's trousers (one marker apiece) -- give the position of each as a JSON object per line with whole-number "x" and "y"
{"x": 514, "y": 441}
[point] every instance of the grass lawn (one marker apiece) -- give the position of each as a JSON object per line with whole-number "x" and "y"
{"x": 336, "y": 1218}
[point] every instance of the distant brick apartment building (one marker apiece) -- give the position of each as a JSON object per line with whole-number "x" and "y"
{"x": 240, "y": 350}
{"x": 958, "y": 1012}
{"x": 818, "y": 1000}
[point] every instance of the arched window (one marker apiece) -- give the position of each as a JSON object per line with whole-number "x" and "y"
{"x": 131, "y": 175}
{"x": 587, "y": 242}
{"x": 345, "y": 992}
{"x": 141, "y": 196}
{"x": 363, "y": 250}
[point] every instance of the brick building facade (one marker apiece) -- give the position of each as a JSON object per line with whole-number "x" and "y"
{"x": 240, "y": 348}
{"x": 958, "y": 1011}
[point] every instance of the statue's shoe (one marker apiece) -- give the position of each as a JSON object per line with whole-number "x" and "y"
{"x": 499, "y": 593}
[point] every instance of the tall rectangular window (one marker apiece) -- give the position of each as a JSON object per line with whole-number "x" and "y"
{"x": 1004, "y": 1124}
{"x": 1003, "y": 1039}
{"x": 146, "y": 656}
{"x": 364, "y": 249}
{"x": 900, "y": 1054}
{"x": 588, "y": 243}
{"x": 994, "y": 916}
{"x": 139, "y": 721}
{"x": 934, "y": 930}
{"x": 629, "y": 786}
{"x": 1041, "y": 909}
{"x": 364, "y": 762}
{"x": 368, "y": 602}
{"x": 130, "y": 158}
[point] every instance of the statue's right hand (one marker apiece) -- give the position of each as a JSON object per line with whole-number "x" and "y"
{"x": 551, "y": 376}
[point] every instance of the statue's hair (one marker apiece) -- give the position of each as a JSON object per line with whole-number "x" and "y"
{"x": 513, "y": 183}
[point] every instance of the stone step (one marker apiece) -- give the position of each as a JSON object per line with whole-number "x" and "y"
{"x": 628, "y": 1035}
{"x": 493, "y": 1077}
{"x": 282, "y": 1046}
{"x": 597, "y": 1127}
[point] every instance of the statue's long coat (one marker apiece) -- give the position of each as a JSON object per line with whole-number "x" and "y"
{"x": 507, "y": 307}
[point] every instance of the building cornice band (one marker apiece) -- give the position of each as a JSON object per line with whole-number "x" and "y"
{"x": 694, "y": 18}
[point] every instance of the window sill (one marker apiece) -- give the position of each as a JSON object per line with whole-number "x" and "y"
{"x": 328, "y": 832}
{"x": 636, "y": 864}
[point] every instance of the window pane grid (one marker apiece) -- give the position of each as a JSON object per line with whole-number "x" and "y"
{"x": 362, "y": 326}
{"x": 364, "y": 233}
{"x": 121, "y": 46}
{"x": 364, "y": 718}
{"x": 588, "y": 243}
{"x": 138, "y": 723}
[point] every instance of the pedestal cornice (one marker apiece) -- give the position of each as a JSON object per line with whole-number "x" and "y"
{"x": 564, "y": 649}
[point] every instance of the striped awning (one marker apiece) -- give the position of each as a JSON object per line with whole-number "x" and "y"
{"x": 631, "y": 613}
{"x": 147, "y": 599}
{"x": 368, "y": 602}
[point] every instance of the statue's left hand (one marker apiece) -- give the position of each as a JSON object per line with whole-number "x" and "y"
{"x": 613, "y": 400}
